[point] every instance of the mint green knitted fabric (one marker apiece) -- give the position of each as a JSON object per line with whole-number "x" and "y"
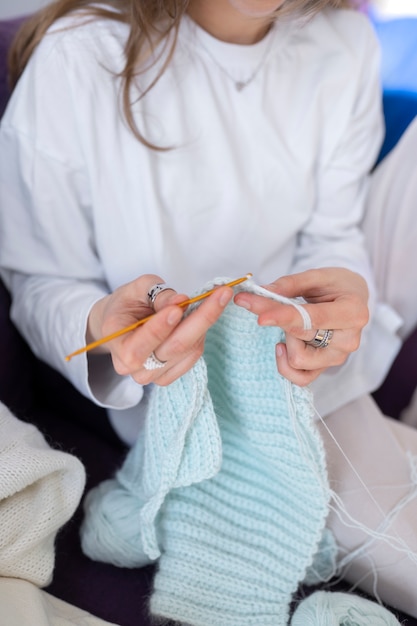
{"x": 236, "y": 546}
{"x": 228, "y": 489}
{"x": 324, "y": 608}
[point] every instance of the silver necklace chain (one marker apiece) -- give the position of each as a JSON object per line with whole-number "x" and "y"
{"x": 240, "y": 84}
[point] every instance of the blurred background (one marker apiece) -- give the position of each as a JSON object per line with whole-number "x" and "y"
{"x": 395, "y": 8}
{"x": 390, "y": 8}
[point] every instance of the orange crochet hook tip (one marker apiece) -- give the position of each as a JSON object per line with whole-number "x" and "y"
{"x": 127, "y": 329}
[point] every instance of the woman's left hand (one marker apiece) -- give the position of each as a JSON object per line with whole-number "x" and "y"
{"x": 337, "y": 299}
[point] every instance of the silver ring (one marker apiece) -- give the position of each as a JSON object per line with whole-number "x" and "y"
{"x": 153, "y": 363}
{"x": 155, "y": 290}
{"x": 321, "y": 339}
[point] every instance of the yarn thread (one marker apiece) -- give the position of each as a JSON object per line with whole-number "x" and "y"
{"x": 387, "y": 519}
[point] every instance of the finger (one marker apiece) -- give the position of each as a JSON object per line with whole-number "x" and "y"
{"x": 167, "y": 297}
{"x": 346, "y": 312}
{"x": 140, "y": 287}
{"x": 194, "y": 327}
{"x": 297, "y": 376}
{"x": 301, "y": 356}
{"x": 172, "y": 347}
{"x": 173, "y": 370}
{"x": 345, "y": 341}
{"x": 130, "y": 351}
{"x": 320, "y": 284}
{"x": 161, "y": 294}
{"x": 270, "y": 312}
{"x": 129, "y": 303}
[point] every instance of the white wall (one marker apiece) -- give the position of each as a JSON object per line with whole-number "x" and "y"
{"x": 12, "y": 8}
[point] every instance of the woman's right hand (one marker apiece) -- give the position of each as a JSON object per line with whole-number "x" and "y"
{"x": 176, "y": 341}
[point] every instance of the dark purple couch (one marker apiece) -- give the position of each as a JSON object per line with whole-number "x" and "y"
{"x": 37, "y": 394}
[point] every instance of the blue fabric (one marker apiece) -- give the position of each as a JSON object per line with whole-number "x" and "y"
{"x": 400, "y": 108}
{"x": 398, "y": 39}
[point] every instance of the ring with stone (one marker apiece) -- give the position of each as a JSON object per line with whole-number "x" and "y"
{"x": 153, "y": 363}
{"x": 155, "y": 290}
{"x": 321, "y": 339}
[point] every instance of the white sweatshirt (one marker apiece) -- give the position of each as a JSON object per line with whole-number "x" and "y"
{"x": 270, "y": 179}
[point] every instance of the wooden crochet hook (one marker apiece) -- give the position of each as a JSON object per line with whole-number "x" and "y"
{"x": 127, "y": 329}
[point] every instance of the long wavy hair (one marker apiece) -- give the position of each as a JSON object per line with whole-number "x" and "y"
{"x": 150, "y": 23}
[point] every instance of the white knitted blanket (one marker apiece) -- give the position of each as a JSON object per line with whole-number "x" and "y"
{"x": 39, "y": 491}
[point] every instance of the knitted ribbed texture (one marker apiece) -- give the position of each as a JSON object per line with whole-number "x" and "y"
{"x": 228, "y": 487}
{"x": 235, "y": 547}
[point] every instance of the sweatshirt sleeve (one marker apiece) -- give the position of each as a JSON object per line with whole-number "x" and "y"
{"x": 333, "y": 236}
{"x": 48, "y": 257}
{"x": 349, "y": 146}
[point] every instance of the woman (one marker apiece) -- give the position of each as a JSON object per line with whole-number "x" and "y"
{"x": 182, "y": 141}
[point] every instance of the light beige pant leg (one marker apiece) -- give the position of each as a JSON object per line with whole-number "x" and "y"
{"x": 382, "y": 452}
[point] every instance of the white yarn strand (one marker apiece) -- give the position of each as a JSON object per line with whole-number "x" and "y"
{"x": 394, "y": 541}
{"x": 250, "y": 286}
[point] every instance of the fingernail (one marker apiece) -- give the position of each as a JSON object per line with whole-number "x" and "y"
{"x": 174, "y": 316}
{"x": 244, "y": 304}
{"x": 225, "y": 298}
{"x": 267, "y": 323}
{"x": 279, "y": 350}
